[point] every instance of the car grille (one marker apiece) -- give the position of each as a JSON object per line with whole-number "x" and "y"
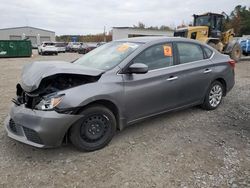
{"x": 30, "y": 101}
{"x": 15, "y": 128}
{"x": 32, "y": 135}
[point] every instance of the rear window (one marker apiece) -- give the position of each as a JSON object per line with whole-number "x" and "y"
{"x": 189, "y": 52}
{"x": 49, "y": 44}
{"x": 208, "y": 52}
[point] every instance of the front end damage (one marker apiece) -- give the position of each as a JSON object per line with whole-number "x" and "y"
{"x": 49, "y": 87}
{"x": 34, "y": 118}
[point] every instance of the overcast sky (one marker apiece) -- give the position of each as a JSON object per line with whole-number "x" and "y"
{"x": 90, "y": 16}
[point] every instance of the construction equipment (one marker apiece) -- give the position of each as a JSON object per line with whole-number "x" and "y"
{"x": 207, "y": 28}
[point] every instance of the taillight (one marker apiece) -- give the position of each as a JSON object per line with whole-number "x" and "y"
{"x": 232, "y": 63}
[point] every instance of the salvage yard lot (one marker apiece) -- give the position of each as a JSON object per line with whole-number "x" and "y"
{"x": 192, "y": 147}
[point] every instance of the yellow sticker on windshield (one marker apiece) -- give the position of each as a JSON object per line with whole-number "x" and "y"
{"x": 122, "y": 48}
{"x": 167, "y": 51}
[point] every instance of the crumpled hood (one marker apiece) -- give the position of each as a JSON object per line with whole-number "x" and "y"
{"x": 33, "y": 73}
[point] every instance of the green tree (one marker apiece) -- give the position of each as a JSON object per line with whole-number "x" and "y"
{"x": 140, "y": 25}
{"x": 239, "y": 20}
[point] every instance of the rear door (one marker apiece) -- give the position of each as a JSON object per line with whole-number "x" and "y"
{"x": 194, "y": 72}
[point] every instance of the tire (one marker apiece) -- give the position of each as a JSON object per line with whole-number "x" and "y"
{"x": 95, "y": 130}
{"x": 213, "y": 96}
{"x": 56, "y": 53}
{"x": 212, "y": 45}
{"x": 236, "y": 52}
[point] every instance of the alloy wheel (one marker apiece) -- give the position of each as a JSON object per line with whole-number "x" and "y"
{"x": 215, "y": 95}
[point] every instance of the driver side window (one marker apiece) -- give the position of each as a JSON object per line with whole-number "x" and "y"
{"x": 156, "y": 57}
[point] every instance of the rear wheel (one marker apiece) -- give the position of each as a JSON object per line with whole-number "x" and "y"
{"x": 235, "y": 54}
{"x": 95, "y": 130}
{"x": 214, "y": 96}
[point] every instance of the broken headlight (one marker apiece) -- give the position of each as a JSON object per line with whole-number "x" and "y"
{"x": 49, "y": 102}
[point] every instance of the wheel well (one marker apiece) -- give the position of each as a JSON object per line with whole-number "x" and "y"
{"x": 224, "y": 84}
{"x": 108, "y": 104}
{"x": 215, "y": 41}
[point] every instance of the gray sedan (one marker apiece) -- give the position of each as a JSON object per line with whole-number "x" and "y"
{"x": 115, "y": 85}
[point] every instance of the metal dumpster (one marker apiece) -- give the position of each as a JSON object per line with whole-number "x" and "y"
{"x": 15, "y": 48}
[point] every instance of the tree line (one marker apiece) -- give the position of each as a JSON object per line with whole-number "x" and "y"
{"x": 239, "y": 20}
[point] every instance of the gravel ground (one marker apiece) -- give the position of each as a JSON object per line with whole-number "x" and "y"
{"x": 188, "y": 148}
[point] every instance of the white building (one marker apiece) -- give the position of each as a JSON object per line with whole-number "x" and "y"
{"x": 128, "y": 32}
{"x": 35, "y": 35}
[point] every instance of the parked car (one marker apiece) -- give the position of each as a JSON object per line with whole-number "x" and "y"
{"x": 100, "y": 43}
{"x": 85, "y": 48}
{"x": 115, "y": 85}
{"x": 73, "y": 46}
{"x": 61, "y": 47}
{"x": 47, "y": 48}
{"x": 245, "y": 46}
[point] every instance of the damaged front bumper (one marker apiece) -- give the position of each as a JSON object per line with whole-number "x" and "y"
{"x": 43, "y": 129}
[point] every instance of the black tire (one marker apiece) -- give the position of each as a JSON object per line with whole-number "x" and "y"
{"x": 236, "y": 52}
{"x": 208, "y": 104}
{"x": 95, "y": 130}
{"x": 212, "y": 45}
{"x": 56, "y": 53}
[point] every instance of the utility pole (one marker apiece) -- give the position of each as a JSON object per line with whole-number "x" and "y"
{"x": 104, "y": 34}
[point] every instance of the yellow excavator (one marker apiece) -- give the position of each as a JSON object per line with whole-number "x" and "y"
{"x": 208, "y": 28}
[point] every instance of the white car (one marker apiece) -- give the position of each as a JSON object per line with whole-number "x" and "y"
{"x": 47, "y": 48}
{"x": 74, "y": 46}
{"x": 61, "y": 47}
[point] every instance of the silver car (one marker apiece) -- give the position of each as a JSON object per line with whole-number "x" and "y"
{"x": 115, "y": 85}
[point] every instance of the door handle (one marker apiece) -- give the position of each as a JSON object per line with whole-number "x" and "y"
{"x": 207, "y": 71}
{"x": 171, "y": 78}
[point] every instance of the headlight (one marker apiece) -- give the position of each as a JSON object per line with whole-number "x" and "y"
{"x": 49, "y": 102}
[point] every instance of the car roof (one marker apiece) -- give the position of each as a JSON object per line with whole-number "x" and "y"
{"x": 158, "y": 39}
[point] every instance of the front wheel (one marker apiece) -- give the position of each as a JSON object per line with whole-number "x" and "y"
{"x": 214, "y": 96}
{"x": 235, "y": 54}
{"x": 95, "y": 130}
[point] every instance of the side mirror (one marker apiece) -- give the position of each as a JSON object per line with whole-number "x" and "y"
{"x": 138, "y": 68}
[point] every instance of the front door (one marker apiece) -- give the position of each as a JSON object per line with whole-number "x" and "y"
{"x": 155, "y": 91}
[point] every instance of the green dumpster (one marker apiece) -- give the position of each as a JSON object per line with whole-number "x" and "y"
{"x": 15, "y": 48}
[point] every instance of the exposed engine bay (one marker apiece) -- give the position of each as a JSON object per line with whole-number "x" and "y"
{"x": 50, "y": 85}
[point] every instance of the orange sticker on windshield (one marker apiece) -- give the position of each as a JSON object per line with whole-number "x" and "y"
{"x": 123, "y": 48}
{"x": 167, "y": 51}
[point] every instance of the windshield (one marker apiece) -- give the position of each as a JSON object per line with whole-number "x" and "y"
{"x": 108, "y": 55}
{"x": 202, "y": 21}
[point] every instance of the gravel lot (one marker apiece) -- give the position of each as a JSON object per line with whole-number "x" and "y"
{"x": 188, "y": 148}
